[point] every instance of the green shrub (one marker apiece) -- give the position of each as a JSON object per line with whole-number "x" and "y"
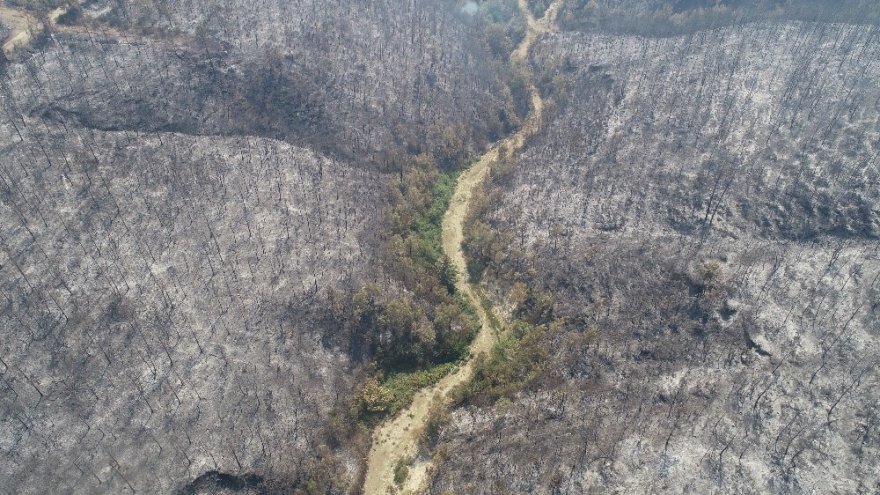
{"x": 437, "y": 417}
{"x": 517, "y": 359}
{"x": 401, "y": 471}
{"x": 375, "y": 398}
{"x": 386, "y": 395}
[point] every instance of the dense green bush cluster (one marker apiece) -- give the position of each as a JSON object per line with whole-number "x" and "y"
{"x": 521, "y": 354}
{"x": 381, "y": 395}
{"x": 485, "y": 246}
{"x": 401, "y": 333}
{"x": 516, "y": 360}
{"x": 414, "y": 255}
{"x": 414, "y": 336}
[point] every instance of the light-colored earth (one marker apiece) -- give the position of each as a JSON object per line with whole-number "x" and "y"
{"x": 398, "y": 437}
{"x": 23, "y": 25}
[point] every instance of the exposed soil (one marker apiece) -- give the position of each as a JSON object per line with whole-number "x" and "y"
{"x": 398, "y": 437}
{"x": 23, "y": 26}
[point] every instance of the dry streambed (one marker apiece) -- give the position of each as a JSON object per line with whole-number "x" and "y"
{"x": 398, "y": 438}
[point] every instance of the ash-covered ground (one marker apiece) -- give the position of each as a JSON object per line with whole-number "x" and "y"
{"x": 182, "y": 184}
{"x": 705, "y": 209}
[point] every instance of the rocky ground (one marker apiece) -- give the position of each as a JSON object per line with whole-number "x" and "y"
{"x": 705, "y": 210}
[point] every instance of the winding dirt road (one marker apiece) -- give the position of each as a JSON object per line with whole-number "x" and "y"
{"x": 398, "y": 438}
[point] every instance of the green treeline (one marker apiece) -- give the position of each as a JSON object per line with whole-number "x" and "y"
{"x": 417, "y": 330}
{"x": 414, "y": 336}
{"x": 521, "y": 355}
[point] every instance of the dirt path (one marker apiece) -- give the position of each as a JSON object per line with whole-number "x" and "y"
{"x": 398, "y": 438}
{"x": 23, "y": 25}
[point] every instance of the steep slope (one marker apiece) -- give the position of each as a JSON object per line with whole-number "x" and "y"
{"x": 179, "y": 204}
{"x": 705, "y": 211}
{"x": 357, "y": 80}
{"x": 162, "y": 306}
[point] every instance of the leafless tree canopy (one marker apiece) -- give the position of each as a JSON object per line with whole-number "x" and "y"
{"x": 704, "y": 207}
{"x": 182, "y": 184}
{"x": 199, "y": 198}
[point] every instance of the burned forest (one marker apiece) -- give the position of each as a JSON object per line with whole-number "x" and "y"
{"x": 439, "y": 246}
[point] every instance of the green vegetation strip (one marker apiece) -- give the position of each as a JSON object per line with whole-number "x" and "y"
{"x": 428, "y": 228}
{"x": 400, "y": 377}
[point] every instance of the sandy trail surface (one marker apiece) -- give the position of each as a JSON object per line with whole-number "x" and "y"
{"x": 23, "y": 25}
{"x": 398, "y": 437}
